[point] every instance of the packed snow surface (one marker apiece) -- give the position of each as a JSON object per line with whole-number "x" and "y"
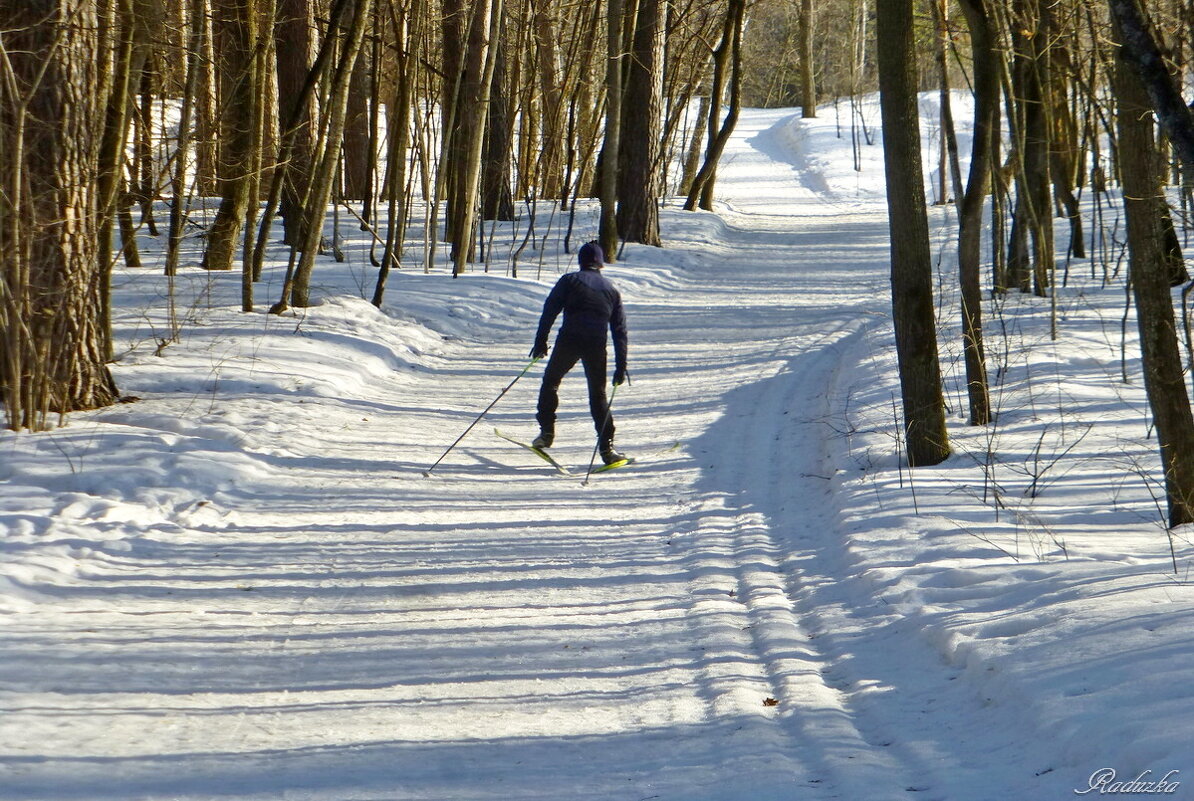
{"x": 242, "y": 585}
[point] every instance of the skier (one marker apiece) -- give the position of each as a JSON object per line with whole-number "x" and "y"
{"x": 591, "y": 305}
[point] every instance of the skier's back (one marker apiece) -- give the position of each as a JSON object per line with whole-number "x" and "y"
{"x": 591, "y": 306}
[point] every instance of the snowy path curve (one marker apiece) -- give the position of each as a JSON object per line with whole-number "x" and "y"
{"x": 332, "y": 626}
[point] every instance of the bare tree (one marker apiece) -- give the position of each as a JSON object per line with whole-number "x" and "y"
{"x": 727, "y": 58}
{"x": 611, "y": 144}
{"x": 1032, "y": 32}
{"x": 639, "y": 162}
{"x": 207, "y": 118}
{"x": 970, "y": 217}
{"x": 116, "y": 86}
{"x": 196, "y": 31}
{"x": 497, "y": 201}
{"x": 405, "y": 25}
{"x": 476, "y": 84}
{"x": 1143, "y": 55}
{"x": 295, "y": 37}
{"x": 294, "y": 127}
{"x": 1063, "y": 138}
{"x": 808, "y": 66}
{"x": 296, "y": 289}
{"x": 358, "y": 161}
{"x": 949, "y": 172}
{"x": 52, "y": 79}
{"x": 911, "y": 262}
{"x": 546, "y": 40}
{"x": 1164, "y": 381}
{"x": 236, "y": 30}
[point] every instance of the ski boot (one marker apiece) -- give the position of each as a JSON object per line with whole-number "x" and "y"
{"x": 609, "y": 455}
{"x": 544, "y": 440}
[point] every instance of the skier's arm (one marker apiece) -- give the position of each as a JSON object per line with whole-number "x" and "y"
{"x": 551, "y": 310}
{"x": 617, "y": 326}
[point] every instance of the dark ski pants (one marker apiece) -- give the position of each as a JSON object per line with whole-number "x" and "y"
{"x": 567, "y": 352}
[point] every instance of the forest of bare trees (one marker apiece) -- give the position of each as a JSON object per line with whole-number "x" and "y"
{"x": 457, "y": 114}
{"x": 286, "y": 109}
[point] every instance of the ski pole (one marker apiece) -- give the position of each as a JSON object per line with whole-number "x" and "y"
{"x": 609, "y": 411}
{"x": 427, "y": 472}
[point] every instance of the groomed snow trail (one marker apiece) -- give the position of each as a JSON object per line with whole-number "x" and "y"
{"x": 338, "y": 627}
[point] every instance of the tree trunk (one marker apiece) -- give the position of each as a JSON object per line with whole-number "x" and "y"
{"x": 728, "y": 56}
{"x": 52, "y": 356}
{"x": 280, "y": 171}
{"x": 950, "y": 171}
{"x": 638, "y": 185}
{"x": 398, "y": 113}
{"x": 584, "y": 113}
{"x": 178, "y": 183}
{"x": 497, "y": 202}
{"x": 1160, "y": 353}
{"x": 144, "y": 190}
{"x": 611, "y": 145}
{"x": 297, "y": 291}
{"x": 207, "y": 117}
{"x": 1146, "y": 60}
{"x": 357, "y": 141}
{"x": 1031, "y": 41}
{"x": 551, "y": 101}
{"x": 294, "y": 54}
{"x": 117, "y": 87}
{"x": 236, "y": 28}
{"x": 970, "y": 217}
{"x": 911, "y": 261}
{"x": 1019, "y": 262}
{"x": 692, "y": 156}
{"x": 259, "y": 114}
{"x": 1063, "y": 150}
{"x": 808, "y": 86}
{"x": 454, "y": 31}
{"x": 475, "y": 95}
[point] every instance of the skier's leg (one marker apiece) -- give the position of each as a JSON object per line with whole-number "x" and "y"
{"x": 593, "y": 357}
{"x": 563, "y": 358}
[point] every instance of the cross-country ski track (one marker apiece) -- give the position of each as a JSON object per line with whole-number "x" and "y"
{"x": 264, "y": 598}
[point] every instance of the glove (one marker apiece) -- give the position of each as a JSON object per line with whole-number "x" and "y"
{"x": 539, "y": 350}
{"x": 621, "y": 375}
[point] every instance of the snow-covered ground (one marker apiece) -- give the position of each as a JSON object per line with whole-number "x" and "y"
{"x": 242, "y": 586}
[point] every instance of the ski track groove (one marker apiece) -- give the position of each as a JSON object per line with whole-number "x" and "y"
{"x": 845, "y": 751}
{"x": 860, "y": 724}
{"x": 737, "y": 564}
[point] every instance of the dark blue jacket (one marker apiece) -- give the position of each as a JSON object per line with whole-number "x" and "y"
{"x": 591, "y": 305}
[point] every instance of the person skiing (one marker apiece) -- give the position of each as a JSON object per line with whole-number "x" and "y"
{"x": 591, "y": 305}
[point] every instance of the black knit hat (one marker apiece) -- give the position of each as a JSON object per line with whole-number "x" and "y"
{"x": 591, "y": 257}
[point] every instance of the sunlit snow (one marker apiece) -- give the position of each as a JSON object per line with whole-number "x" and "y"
{"x": 241, "y": 586}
